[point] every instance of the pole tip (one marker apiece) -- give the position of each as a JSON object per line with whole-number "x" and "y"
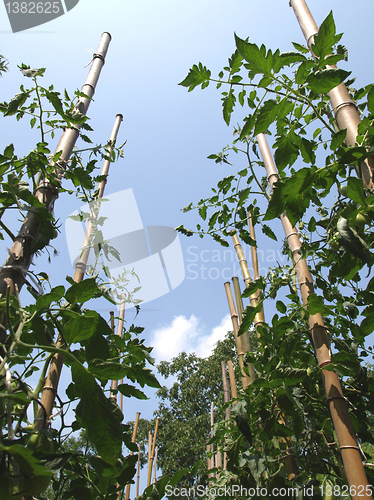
{"x": 107, "y": 33}
{"x": 119, "y": 115}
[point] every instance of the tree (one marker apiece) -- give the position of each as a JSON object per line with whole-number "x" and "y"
{"x": 58, "y": 320}
{"x": 184, "y": 412}
{"x": 284, "y": 95}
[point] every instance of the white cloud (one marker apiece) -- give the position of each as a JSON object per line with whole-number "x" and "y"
{"x": 186, "y": 334}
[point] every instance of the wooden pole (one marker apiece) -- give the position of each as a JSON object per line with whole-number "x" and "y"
{"x": 238, "y": 340}
{"x": 344, "y": 108}
{"x": 346, "y": 435}
{"x": 133, "y": 439}
{"x": 149, "y": 458}
{"x": 226, "y": 398}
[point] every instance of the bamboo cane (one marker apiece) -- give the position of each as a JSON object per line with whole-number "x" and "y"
{"x": 254, "y": 298}
{"x": 138, "y": 473}
{"x": 234, "y": 392}
{"x": 345, "y": 110}
{"x": 50, "y": 387}
{"x": 12, "y": 274}
{"x": 149, "y": 455}
{"x": 246, "y": 340}
{"x": 238, "y": 340}
{"x": 153, "y": 447}
{"x": 114, "y": 384}
{"x": 256, "y": 269}
{"x": 226, "y": 398}
{"x": 135, "y": 430}
{"x": 81, "y": 264}
{"x": 290, "y": 460}
{"x": 155, "y": 466}
{"x": 346, "y": 436}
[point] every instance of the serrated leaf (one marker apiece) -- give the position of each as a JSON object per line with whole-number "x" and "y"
{"x": 266, "y": 116}
{"x": 256, "y": 57}
{"x": 324, "y": 80}
{"x": 268, "y": 232}
{"x": 228, "y": 106}
{"x": 131, "y": 391}
{"x": 196, "y": 76}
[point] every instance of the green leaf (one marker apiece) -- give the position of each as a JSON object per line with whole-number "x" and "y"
{"x": 269, "y": 232}
{"x": 306, "y": 149}
{"x": 281, "y": 307}
{"x": 287, "y": 150}
{"x": 83, "y": 291}
{"x": 315, "y": 305}
{"x": 81, "y": 327}
{"x": 108, "y": 370}
{"x": 371, "y": 100}
{"x": 256, "y": 57}
{"x": 17, "y": 101}
{"x": 53, "y": 98}
{"x": 287, "y": 59}
{"x": 326, "y": 38}
{"x": 53, "y": 296}
{"x": 196, "y": 76}
{"x": 9, "y": 151}
{"x": 322, "y": 81}
{"x": 266, "y": 116}
{"x": 355, "y": 190}
{"x": 228, "y": 106}
{"x": 337, "y": 139}
{"x": 130, "y": 391}
{"x": 104, "y": 430}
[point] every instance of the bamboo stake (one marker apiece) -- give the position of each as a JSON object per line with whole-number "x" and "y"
{"x": 290, "y": 460}
{"x": 12, "y": 274}
{"x": 51, "y": 384}
{"x": 246, "y": 340}
{"x": 155, "y": 465}
{"x": 149, "y": 456}
{"x": 234, "y": 393}
{"x": 81, "y": 264}
{"x": 138, "y": 472}
{"x": 226, "y": 398}
{"x": 114, "y": 384}
{"x": 256, "y": 269}
{"x": 238, "y": 340}
{"x": 153, "y": 447}
{"x": 135, "y": 430}
{"x": 259, "y": 318}
{"x": 346, "y": 436}
{"x": 345, "y": 110}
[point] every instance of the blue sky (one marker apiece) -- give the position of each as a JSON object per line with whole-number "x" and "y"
{"x": 169, "y": 132}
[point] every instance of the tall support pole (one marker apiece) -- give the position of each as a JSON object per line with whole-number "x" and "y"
{"x": 152, "y": 452}
{"x": 344, "y": 108}
{"x": 230, "y": 367}
{"x": 226, "y": 398}
{"x": 138, "y": 472}
{"x": 238, "y": 340}
{"x": 51, "y": 384}
{"x": 12, "y": 274}
{"x": 346, "y": 436}
{"x": 135, "y": 430}
{"x": 81, "y": 264}
{"x": 114, "y": 384}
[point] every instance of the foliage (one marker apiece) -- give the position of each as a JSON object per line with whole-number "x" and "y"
{"x": 58, "y": 320}
{"x": 284, "y": 95}
{"x": 184, "y": 412}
